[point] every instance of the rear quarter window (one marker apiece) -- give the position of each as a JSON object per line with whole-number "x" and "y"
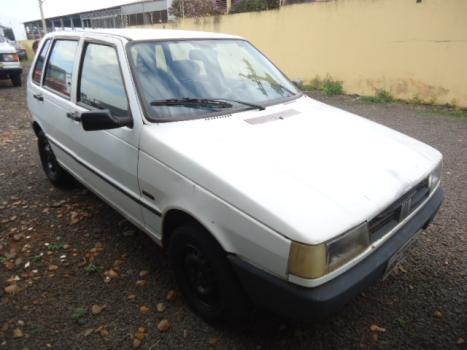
{"x": 37, "y": 74}
{"x": 59, "y": 69}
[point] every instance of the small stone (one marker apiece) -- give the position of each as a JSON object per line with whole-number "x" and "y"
{"x": 171, "y": 295}
{"x": 438, "y": 314}
{"x": 144, "y": 309}
{"x": 140, "y": 283}
{"x": 143, "y": 273}
{"x": 131, "y": 296}
{"x": 161, "y": 307}
{"x": 214, "y": 341}
{"x": 11, "y": 289}
{"x": 53, "y": 267}
{"x": 104, "y": 333}
{"x": 136, "y": 343}
{"x": 97, "y": 309}
{"x": 111, "y": 274}
{"x": 18, "y": 333}
{"x": 163, "y": 325}
{"x": 376, "y": 328}
{"x": 88, "y": 332}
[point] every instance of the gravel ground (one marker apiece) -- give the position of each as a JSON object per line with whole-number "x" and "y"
{"x": 61, "y": 245}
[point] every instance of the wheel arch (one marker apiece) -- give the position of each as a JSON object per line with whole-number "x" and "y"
{"x": 36, "y": 127}
{"x": 176, "y": 217}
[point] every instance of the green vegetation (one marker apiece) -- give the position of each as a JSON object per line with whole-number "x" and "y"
{"x": 402, "y": 323}
{"x": 91, "y": 268}
{"x": 56, "y": 246}
{"x": 36, "y": 259}
{"x": 382, "y": 96}
{"x": 78, "y": 315}
{"x": 253, "y": 5}
{"x": 2, "y": 259}
{"x": 445, "y": 110}
{"x": 328, "y": 85}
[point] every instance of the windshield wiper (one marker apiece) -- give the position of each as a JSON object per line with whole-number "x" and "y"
{"x": 203, "y": 102}
{"x": 254, "y": 105}
{"x": 191, "y": 102}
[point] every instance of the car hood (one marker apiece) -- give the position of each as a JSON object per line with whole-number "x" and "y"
{"x": 305, "y": 169}
{"x": 6, "y": 48}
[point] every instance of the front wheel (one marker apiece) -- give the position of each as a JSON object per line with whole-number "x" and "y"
{"x": 16, "y": 80}
{"x": 55, "y": 173}
{"x": 205, "y": 276}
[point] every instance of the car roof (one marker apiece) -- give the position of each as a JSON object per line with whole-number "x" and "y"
{"x": 146, "y": 34}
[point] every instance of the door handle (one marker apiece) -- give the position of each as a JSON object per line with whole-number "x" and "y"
{"x": 38, "y": 97}
{"x": 75, "y": 116}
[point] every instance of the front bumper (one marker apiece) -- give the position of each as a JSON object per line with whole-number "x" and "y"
{"x": 7, "y": 72}
{"x": 294, "y": 301}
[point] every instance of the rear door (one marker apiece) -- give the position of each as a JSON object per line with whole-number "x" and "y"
{"x": 51, "y": 90}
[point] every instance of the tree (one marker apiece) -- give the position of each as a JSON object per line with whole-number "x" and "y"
{"x": 253, "y": 5}
{"x": 194, "y": 8}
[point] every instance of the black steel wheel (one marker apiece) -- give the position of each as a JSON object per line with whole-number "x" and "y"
{"x": 205, "y": 276}
{"x": 55, "y": 173}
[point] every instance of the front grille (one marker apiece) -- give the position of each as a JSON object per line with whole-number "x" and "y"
{"x": 398, "y": 211}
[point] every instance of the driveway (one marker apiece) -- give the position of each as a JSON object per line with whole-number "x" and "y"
{"x": 74, "y": 274}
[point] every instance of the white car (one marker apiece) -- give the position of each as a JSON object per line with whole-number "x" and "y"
{"x": 258, "y": 192}
{"x": 10, "y": 66}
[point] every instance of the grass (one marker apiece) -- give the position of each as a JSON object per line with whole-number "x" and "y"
{"x": 78, "y": 315}
{"x": 91, "y": 268}
{"x": 328, "y": 85}
{"x": 2, "y": 259}
{"x": 36, "y": 259}
{"x": 446, "y": 110}
{"x": 382, "y": 96}
{"x": 56, "y": 246}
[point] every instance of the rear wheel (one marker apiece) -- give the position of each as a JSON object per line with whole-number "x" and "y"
{"x": 16, "y": 80}
{"x": 205, "y": 276}
{"x": 55, "y": 173}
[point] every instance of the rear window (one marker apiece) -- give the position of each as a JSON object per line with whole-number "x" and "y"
{"x": 58, "y": 72}
{"x": 37, "y": 75}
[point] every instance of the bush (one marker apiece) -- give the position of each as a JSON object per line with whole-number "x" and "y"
{"x": 382, "y": 96}
{"x": 253, "y": 5}
{"x": 328, "y": 85}
{"x": 332, "y": 87}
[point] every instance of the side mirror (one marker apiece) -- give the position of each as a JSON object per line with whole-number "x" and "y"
{"x": 102, "y": 119}
{"x": 298, "y": 83}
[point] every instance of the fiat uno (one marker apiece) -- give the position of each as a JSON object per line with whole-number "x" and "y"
{"x": 259, "y": 193}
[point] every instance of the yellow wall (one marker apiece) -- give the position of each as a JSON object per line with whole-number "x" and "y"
{"x": 410, "y": 49}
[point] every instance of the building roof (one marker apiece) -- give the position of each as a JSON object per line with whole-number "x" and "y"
{"x": 148, "y": 34}
{"x": 55, "y": 8}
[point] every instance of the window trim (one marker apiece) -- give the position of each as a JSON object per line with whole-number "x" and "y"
{"x": 46, "y": 58}
{"x": 151, "y": 119}
{"x": 86, "y": 42}
{"x": 55, "y": 39}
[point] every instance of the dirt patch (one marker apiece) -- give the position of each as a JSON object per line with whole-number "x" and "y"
{"x": 75, "y": 274}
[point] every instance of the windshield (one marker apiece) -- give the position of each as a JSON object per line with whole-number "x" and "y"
{"x": 229, "y": 70}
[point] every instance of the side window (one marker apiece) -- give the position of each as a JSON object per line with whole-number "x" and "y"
{"x": 60, "y": 66}
{"x": 101, "y": 84}
{"x": 40, "y": 62}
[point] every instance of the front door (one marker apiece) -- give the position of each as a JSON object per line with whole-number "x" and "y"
{"x": 106, "y": 160}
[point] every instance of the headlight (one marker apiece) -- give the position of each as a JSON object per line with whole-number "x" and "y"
{"x": 435, "y": 176}
{"x": 313, "y": 261}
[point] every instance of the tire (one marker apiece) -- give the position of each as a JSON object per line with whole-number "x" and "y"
{"x": 205, "y": 276}
{"x": 16, "y": 80}
{"x": 54, "y": 172}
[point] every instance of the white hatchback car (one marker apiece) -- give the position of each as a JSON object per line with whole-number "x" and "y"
{"x": 258, "y": 192}
{"x": 10, "y": 65}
